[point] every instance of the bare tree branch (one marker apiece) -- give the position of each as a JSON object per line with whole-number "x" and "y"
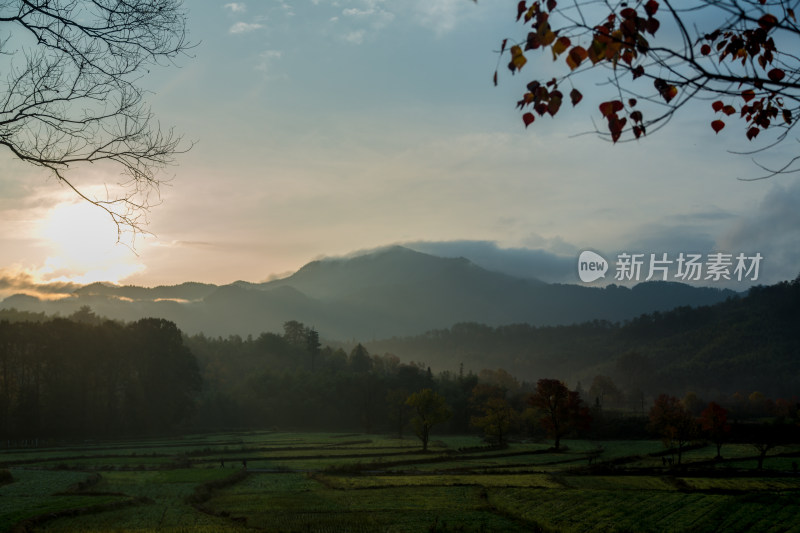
{"x": 71, "y": 95}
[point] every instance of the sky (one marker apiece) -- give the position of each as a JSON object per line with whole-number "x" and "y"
{"x": 324, "y": 127}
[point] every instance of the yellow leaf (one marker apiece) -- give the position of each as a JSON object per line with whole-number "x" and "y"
{"x": 517, "y": 58}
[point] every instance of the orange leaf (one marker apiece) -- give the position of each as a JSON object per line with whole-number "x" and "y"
{"x": 576, "y": 56}
{"x": 560, "y": 45}
{"x": 717, "y": 125}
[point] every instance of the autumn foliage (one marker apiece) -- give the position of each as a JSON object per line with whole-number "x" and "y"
{"x": 737, "y": 65}
{"x": 561, "y": 409}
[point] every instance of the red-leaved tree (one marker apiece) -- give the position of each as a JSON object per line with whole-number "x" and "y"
{"x": 652, "y": 57}
{"x": 561, "y": 409}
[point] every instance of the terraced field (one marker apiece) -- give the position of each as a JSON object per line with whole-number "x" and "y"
{"x": 287, "y": 482}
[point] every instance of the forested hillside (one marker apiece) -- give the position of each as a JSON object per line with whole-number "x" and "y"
{"x": 750, "y": 343}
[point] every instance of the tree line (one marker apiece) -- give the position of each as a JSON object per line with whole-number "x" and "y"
{"x": 83, "y": 376}
{"x": 67, "y": 379}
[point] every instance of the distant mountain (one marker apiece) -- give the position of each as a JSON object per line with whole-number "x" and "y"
{"x": 390, "y": 292}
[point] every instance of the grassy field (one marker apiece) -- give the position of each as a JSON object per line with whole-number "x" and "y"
{"x": 306, "y": 482}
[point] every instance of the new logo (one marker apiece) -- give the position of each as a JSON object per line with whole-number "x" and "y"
{"x": 591, "y": 266}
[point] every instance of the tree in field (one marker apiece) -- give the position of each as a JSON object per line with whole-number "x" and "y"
{"x": 497, "y": 417}
{"x": 71, "y": 94}
{"x": 398, "y": 409}
{"x": 676, "y": 425}
{"x": 561, "y": 409}
{"x": 715, "y": 426}
{"x": 604, "y": 390}
{"x": 647, "y": 59}
{"x": 429, "y": 409}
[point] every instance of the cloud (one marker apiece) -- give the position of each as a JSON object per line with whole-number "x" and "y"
{"x": 245, "y": 27}
{"x": 355, "y": 37}
{"x": 773, "y": 230}
{"x": 525, "y": 263}
{"x": 21, "y": 282}
{"x": 368, "y": 17}
{"x": 441, "y": 16}
{"x": 266, "y": 58}
{"x": 236, "y": 7}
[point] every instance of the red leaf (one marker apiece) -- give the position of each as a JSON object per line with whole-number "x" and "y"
{"x": 638, "y": 131}
{"x": 752, "y": 133}
{"x": 717, "y": 125}
{"x": 495, "y": 78}
{"x": 616, "y": 125}
{"x": 776, "y": 74}
{"x": 551, "y": 5}
{"x": 541, "y": 108}
{"x": 653, "y": 25}
{"x": 729, "y": 110}
{"x": 555, "y": 102}
{"x": 521, "y": 8}
{"x": 575, "y": 96}
{"x": 610, "y": 107}
{"x": 638, "y": 71}
{"x": 636, "y": 116}
{"x": 628, "y": 13}
{"x": 528, "y": 119}
{"x": 787, "y": 116}
{"x": 767, "y": 22}
{"x": 632, "y": 102}
{"x": 705, "y": 49}
{"x": 503, "y": 46}
{"x": 717, "y": 106}
{"x": 651, "y": 7}
{"x": 748, "y": 95}
{"x": 669, "y": 92}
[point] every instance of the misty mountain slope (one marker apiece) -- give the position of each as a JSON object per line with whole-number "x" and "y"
{"x": 741, "y": 345}
{"x": 389, "y": 292}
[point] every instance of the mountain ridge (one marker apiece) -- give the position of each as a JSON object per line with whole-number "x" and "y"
{"x": 388, "y": 292}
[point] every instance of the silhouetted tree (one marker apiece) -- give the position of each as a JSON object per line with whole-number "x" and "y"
{"x": 497, "y": 417}
{"x": 429, "y": 409}
{"x": 398, "y": 409}
{"x": 561, "y": 409}
{"x": 714, "y": 423}
{"x": 670, "y": 419}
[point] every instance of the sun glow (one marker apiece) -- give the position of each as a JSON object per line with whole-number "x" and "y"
{"x": 82, "y": 246}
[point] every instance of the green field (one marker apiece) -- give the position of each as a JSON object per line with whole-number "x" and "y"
{"x": 304, "y": 482}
